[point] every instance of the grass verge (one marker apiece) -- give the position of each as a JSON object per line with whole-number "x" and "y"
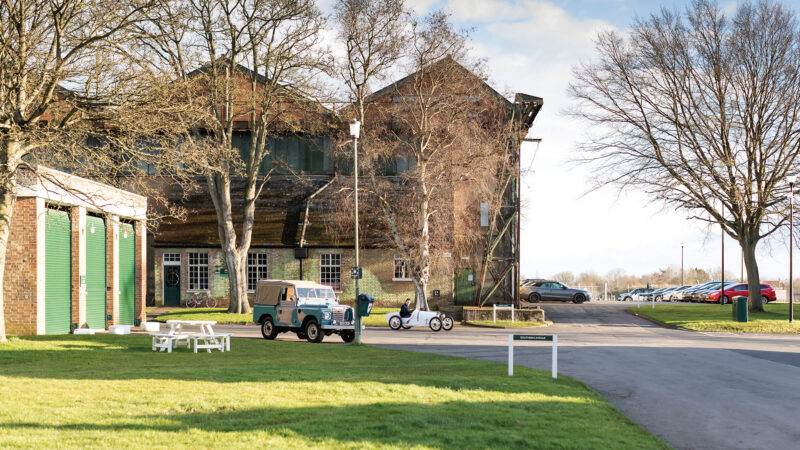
{"x": 218, "y": 314}
{"x": 506, "y": 324}
{"x": 113, "y": 391}
{"x": 715, "y": 317}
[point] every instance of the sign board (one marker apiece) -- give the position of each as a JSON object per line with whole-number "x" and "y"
{"x": 436, "y": 293}
{"x": 356, "y": 273}
{"x": 532, "y": 337}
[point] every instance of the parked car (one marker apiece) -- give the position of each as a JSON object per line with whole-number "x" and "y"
{"x": 686, "y": 295}
{"x": 676, "y": 294}
{"x": 309, "y": 309}
{"x": 553, "y": 290}
{"x": 736, "y": 290}
{"x": 525, "y": 286}
{"x": 657, "y": 295}
{"x": 633, "y": 295}
{"x": 701, "y": 295}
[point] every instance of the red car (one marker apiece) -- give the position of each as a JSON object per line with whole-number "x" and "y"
{"x": 767, "y": 293}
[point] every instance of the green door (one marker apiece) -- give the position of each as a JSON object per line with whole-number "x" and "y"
{"x": 172, "y": 285}
{"x": 127, "y": 274}
{"x": 58, "y": 270}
{"x": 95, "y": 272}
{"x": 464, "y": 285}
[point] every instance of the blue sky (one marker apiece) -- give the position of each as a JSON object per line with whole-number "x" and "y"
{"x": 531, "y": 46}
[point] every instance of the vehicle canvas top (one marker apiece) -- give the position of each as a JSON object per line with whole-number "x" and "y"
{"x": 268, "y": 292}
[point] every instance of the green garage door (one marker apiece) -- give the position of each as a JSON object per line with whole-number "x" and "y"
{"x": 58, "y": 268}
{"x": 464, "y": 285}
{"x": 127, "y": 274}
{"x": 95, "y": 272}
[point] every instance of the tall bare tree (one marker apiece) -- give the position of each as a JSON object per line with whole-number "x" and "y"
{"x": 258, "y": 61}
{"x": 59, "y": 62}
{"x": 700, "y": 110}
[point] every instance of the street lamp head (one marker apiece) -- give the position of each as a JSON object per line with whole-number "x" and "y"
{"x": 791, "y": 179}
{"x": 355, "y": 129}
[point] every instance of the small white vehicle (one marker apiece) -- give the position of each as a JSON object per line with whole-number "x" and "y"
{"x": 435, "y": 320}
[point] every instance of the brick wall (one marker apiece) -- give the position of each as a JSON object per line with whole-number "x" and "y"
{"x": 19, "y": 289}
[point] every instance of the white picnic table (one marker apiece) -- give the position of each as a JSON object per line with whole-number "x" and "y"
{"x": 205, "y": 339}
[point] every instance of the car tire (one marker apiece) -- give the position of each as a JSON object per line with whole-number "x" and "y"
{"x": 723, "y": 300}
{"x": 764, "y": 300}
{"x": 395, "y": 322}
{"x": 447, "y": 323}
{"x": 627, "y": 299}
{"x": 301, "y": 335}
{"x": 313, "y": 332}
{"x": 580, "y": 298}
{"x": 348, "y": 336}
{"x": 535, "y": 298}
{"x": 658, "y": 298}
{"x": 435, "y": 324}
{"x": 268, "y": 329}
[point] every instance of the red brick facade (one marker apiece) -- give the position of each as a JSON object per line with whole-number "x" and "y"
{"x": 19, "y": 288}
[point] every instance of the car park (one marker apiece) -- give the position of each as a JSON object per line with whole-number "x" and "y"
{"x": 309, "y": 309}
{"x": 686, "y": 295}
{"x": 675, "y": 294}
{"x": 740, "y": 289}
{"x": 554, "y": 291}
{"x": 701, "y": 295}
{"x": 633, "y": 295}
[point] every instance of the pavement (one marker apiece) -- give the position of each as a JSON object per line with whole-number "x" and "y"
{"x": 691, "y": 389}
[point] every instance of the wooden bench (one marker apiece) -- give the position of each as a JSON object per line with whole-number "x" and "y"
{"x": 167, "y": 341}
{"x": 211, "y": 341}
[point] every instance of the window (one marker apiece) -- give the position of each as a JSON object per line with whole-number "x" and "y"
{"x": 311, "y": 155}
{"x": 400, "y": 269}
{"x": 172, "y": 259}
{"x": 198, "y": 271}
{"x": 256, "y": 269}
{"x": 330, "y": 270}
{"x": 484, "y": 214}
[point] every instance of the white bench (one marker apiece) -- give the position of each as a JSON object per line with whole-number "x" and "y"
{"x": 167, "y": 341}
{"x": 211, "y": 341}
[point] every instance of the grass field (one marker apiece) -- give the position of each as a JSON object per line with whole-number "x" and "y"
{"x": 217, "y": 314}
{"x": 111, "y": 391}
{"x": 718, "y": 318}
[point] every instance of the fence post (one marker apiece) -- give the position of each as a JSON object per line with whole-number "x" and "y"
{"x": 512, "y": 313}
{"x": 555, "y": 356}
{"x": 494, "y": 313}
{"x": 605, "y": 292}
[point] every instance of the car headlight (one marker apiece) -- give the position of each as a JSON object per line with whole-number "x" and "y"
{"x": 326, "y": 315}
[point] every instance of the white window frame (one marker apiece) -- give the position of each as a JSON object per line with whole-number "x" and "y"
{"x": 331, "y": 256}
{"x": 171, "y": 259}
{"x": 404, "y": 264}
{"x": 258, "y": 265}
{"x": 199, "y": 267}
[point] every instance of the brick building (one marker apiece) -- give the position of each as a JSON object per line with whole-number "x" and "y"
{"x": 76, "y": 255}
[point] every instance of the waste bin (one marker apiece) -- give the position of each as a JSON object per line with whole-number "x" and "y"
{"x": 364, "y": 304}
{"x": 740, "y": 309}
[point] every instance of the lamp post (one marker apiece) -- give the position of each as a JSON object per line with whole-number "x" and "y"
{"x": 792, "y": 180}
{"x": 681, "y": 263}
{"x": 355, "y": 132}
{"x": 722, "y": 274}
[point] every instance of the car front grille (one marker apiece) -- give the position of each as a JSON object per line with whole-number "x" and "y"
{"x": 338, "y": 315}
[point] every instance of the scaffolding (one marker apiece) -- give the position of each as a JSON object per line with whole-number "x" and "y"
{"x": 502, "y": 253}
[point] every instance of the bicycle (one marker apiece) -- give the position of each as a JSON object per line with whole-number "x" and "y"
{"x": 198, "y": 298}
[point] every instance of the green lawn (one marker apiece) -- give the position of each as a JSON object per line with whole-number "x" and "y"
{"x": 718, "y": 318}
{"x": 112, "y": 391}
{"x": 377, "y": 317}
{"x": 217, "y": 314}
{"x": 506, "y": 324}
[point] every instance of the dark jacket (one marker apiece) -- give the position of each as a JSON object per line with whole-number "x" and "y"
{"x": 404, "y": 311}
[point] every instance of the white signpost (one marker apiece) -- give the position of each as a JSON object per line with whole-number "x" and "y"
{"x": 502, "y": 307}
{"x": 532, "y": 337}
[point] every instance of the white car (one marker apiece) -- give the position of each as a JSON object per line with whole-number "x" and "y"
{"x": 435, "y": 320}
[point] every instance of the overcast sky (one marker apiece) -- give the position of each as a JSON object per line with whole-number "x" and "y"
{"x": 531, "y": 47}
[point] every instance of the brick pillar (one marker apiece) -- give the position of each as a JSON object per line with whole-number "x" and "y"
{"x": 78, "y": 259}
{"x": 41, "y": 271}
{"x": 140, "y": 266}
{"x": 112, "y": 274}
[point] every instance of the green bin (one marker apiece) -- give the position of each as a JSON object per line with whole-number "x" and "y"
{"x": 740, "y": 309}
{"x": 364, "y": 305}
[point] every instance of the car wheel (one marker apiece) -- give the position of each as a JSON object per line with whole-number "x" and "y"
{"x": 435, "y": 324}
{"x": 313, "y": 332}
{"x": 535, "y": 298}
{"x": 724, "y": 300}
{"x": 268, "y": 329}
{"x": 627, "y": 299}
{"x": 658, "y": 298}
{"x": 395, "y": 322}
{"x": 348, "y": 336}
{"x": 579, "y": 299}
{"x": 447, "y": 323}
{"x": 764, "y": 300}
{"x": 301, "y": 335}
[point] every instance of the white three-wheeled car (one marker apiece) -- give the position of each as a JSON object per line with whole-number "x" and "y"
{"x": 435, "y": 320}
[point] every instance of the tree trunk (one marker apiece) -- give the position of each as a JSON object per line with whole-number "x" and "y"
{"x": 236, "y": 261}
{"x": 420, "y": 290}
{"x": 753, "y": 279}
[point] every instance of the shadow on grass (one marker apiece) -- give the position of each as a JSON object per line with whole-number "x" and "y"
{"x": 454, "y": 424}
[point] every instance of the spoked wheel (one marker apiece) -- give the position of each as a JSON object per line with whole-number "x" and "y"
{"x": 348, "y": 336}
{"x": 192, "y": 302}
{"x": 313, "y": 332}
{"x": 395, "y": 323}
{"x": 211, "y": 302}
{"x": 447, "y": 323}
{"x": 435, "y": 324}
{"x": 268, "y": 329}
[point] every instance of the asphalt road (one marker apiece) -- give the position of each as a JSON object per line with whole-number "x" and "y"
{"x": 693, "y": 390}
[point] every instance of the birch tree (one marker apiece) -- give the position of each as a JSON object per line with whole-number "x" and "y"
{"x": 700, "y": 110}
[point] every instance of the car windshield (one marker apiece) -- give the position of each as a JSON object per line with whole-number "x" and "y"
{"x": 315, "y": 296}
